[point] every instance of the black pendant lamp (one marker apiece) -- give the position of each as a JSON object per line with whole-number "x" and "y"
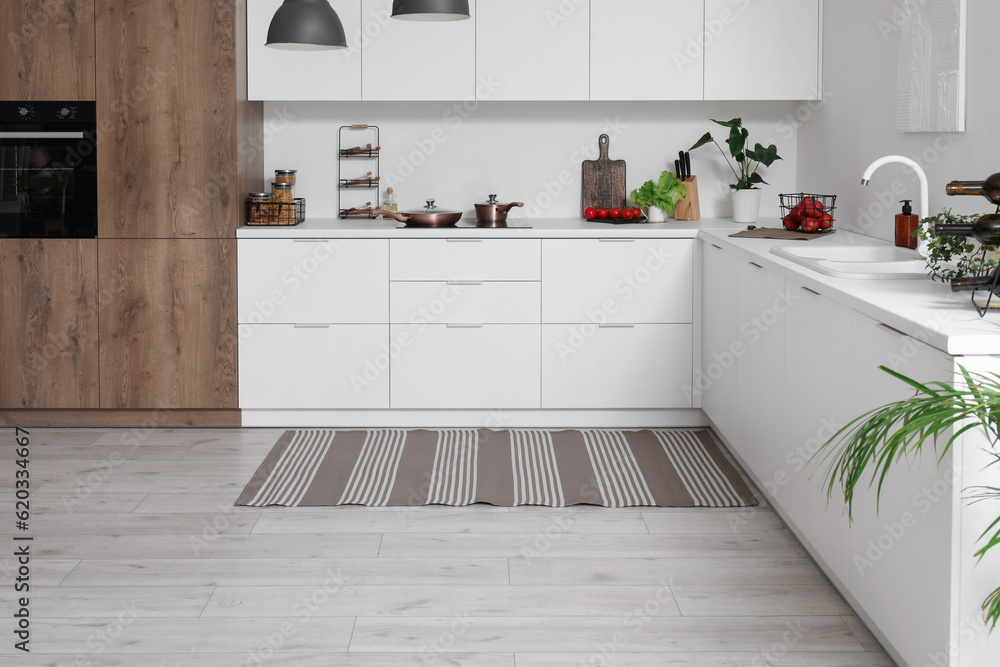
{"x": 431, "y": 10}
{"x": 306, "y": 25}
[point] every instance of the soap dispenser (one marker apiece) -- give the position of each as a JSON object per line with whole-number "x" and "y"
{"x": 906, "y": 226}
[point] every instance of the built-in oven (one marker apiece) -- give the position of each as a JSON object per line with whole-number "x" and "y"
{"x": 48, "y": 170}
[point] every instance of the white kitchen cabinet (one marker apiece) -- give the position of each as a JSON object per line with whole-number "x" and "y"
{"x": 533, "y": 49}
{"x": 721, "y": 344}
{"x": 616, "y": 367}
{"x": 647, "y": 50}
{"x": 313, "y": 281}
{"x": 763, "y": 50}
{"x": 492, "y": 367}
{"x": 624, "y": 281}
{"x": 762, "y": 403}
{"x": 465, "y": 259}
{"x": 464, "y": 303}
{"x": 817, "y": 403}
{"x": 900, "y": 553}
{"x": 332, "y": 367}
{"x": 417, "y": 60}
{"x": 275, "y": 74}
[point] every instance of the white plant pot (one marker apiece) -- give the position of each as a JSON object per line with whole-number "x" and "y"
{"x": 655, "y": 214}
{"x": 746, "y": 205}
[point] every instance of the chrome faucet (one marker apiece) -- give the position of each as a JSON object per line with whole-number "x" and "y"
{"x": 925, "y": 207}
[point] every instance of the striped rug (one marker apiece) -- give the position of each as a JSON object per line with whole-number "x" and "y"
{"x": 508, "y": 468}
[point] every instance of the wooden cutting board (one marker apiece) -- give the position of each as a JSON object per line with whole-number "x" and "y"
{"x": 604, "y": 180}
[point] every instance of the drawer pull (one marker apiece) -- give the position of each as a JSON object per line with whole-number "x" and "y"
{"x": 464, "y": 240}
{"x": 311, "y": 240}
{"x": 717, "y": 247}
{"x": 617, "y": 240}
{"x": 892, "y": 330}
{"x": 811, "y": 291}
{"x": 616, "y": 325}
{"x": 755, "y": 264}
{"x": 465, "y": 283}
{"x": 465, "y": 326}
{"x": 313, "y": 326}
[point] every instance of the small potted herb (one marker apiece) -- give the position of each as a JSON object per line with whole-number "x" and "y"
{"x": 661, "y": 197}
{"x": 746, "y": 197}
{"x": 953, "y": 257}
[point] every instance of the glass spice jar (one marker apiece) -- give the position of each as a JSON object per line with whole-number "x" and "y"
{"x": 260, "y": 210}
{"x": 285, "y": 176}
{"x": 282, "y": 194}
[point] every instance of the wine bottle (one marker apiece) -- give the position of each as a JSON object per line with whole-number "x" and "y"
{"x": 986, "y": 230}
{"x": 990, "y": 188}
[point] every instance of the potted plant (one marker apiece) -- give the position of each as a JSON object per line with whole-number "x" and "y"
{"x": 661, "y": 197}
{"x": 866, "y": 449}
{"x": 746, "y": 197}
{"x": 953, "y": 257}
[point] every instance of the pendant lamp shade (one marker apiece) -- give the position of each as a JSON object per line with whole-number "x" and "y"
{"x": 431, "y": 10}
{"x": 306, "y": 25}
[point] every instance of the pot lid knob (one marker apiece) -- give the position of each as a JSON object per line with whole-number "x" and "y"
{"x": 430, "y": 204}
{"x": 493, "y": 199}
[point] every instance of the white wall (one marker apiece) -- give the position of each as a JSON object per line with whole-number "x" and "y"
{"x": 857, "y": 121}
{"x": 519, "y": 150}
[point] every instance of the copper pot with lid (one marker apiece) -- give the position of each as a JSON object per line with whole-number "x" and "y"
{"x": 492, "y": 213}
{"x": 429, "y": 216}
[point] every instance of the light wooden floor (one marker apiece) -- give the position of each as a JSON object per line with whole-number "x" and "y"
{"x": 140, "y": 560}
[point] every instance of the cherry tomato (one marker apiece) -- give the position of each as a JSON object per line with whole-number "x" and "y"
{"x": 636, "y": 213}
{"x": 590, "y": 213}
{"x": 627, "y": 214}
{"x": 615, "y": 213}
{"x": 602, "y": 213}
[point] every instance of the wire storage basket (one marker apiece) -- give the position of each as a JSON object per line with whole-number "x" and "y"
{"x": 809, "y": 213}
{"x": 274, "y": 213}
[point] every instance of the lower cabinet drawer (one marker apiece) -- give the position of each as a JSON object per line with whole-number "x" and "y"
{"x": 465, "y": 259}
{"x": 642, "y": 366}
{"x": 493, "y": 366}
{"x": 467, "y": 302}
{"x": 343, "y": 366}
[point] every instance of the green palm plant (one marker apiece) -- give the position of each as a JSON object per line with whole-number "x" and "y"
{"x": 872, "y": 444}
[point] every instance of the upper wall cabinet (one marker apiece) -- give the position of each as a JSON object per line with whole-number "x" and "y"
{"x": 416, "y": 60}
{"x": 275, "y": 74}
{"x": 765, "y": 50}
{"x": 533, "y": 50}
{"x": 48, "y": 53}
{"x": 647, "y": 49}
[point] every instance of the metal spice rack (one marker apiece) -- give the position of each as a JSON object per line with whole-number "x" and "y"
{"x": 367, "y": 149}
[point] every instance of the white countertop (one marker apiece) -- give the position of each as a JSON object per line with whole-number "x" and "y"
{"x": 924, "y": 309}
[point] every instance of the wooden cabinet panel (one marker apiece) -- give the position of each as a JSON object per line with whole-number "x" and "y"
{"x": 49, "y": 50}
{"x": 767, "y": 50}
{"x": 168, "y": 323}
{"x": 167, "y": 106}
{"x": 48, "y": 323}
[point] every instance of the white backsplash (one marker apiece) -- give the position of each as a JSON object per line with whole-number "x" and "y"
{"x": 460, "y": 153}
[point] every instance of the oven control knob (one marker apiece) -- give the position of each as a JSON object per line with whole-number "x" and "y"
{"x": 64, "y": 112}
{"x": 24, "y": 112}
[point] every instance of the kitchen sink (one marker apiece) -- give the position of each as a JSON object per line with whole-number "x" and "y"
{"x": 860, "y": 262}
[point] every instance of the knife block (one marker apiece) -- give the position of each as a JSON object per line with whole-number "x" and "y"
{"x": 689, "y": 208}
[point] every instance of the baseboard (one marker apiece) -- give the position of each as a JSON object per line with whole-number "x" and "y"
{"x": 116, "y": 418}
{"x": 474, "y": 418}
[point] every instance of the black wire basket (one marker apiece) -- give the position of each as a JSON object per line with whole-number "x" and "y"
{"x": 274, "y": 213}
{"x": 796, "y": 208}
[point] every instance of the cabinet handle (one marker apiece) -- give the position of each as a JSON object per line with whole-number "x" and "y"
{"x": 617, "y": 240}
{"x": 465, "y": 283}
{"x": 717, "y": 247}
{"x": 614, "y": 325}
{"x": 892, "y": 330}
{"x": 310, "y": 240}
{"x": 755, "y": 264}
{"x": 464, "y": 240}
{"x": 313, "y": 326}
{"x": 811, "y": 291}
{"x": 465, "y": 326}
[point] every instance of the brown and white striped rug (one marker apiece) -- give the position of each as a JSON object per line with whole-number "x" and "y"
{"x": 508, "y": 468}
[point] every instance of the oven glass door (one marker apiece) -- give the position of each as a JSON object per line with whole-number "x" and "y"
{"x": 48, "y": 185}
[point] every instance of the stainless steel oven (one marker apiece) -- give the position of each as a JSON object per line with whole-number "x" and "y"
{"x": 48, "y": 170}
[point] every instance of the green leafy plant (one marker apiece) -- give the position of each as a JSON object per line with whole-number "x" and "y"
{"x": 871, "y": 445}
{"x": 748, "y": 160}
{"x": 664, "y": 194}
{"x": 950, "y": 257}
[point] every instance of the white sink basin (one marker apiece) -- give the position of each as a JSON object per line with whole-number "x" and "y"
{"x": 862, "y": 262}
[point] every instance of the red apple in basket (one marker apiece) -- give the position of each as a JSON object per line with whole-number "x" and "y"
{"x": 810, "y": 225}
{"x": 789, "y": 223}
{"x": 825, "y": 221}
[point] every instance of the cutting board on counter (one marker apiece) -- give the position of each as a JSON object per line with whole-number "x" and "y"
{"x": 604, "y": 180}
